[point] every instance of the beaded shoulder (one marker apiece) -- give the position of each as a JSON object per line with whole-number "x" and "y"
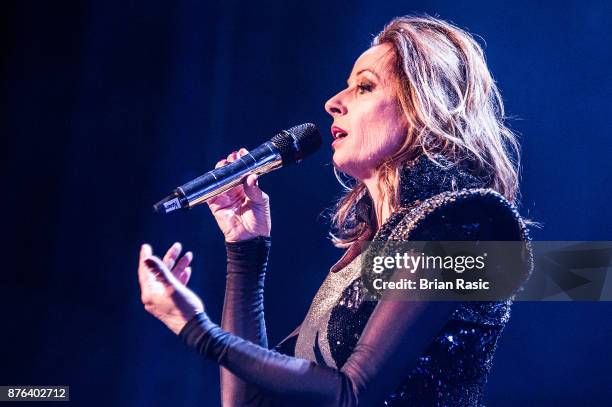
{"x": 409, "y": 218}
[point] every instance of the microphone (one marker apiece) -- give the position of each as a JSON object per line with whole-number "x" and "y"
{"x": 285, "y": 148}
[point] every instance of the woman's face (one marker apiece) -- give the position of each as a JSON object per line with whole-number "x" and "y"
{"x": 369, "y": 124}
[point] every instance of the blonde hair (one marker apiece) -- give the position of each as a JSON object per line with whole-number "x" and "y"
{"x": 453, "y": 109}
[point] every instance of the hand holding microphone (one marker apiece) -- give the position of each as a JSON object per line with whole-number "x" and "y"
{"x": 241, "y": 209}
{"x": 285, "y": 148}
{"x": 242, "y": 212}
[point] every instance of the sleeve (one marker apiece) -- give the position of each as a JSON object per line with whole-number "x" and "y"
{"x": 395, "y": 335}
{"x": 243, "y": 308}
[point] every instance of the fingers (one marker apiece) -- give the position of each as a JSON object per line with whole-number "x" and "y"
{"x": 227, "y": 160}
{"x": 172, "y": 254}
{"x": 167, "y": 270}
{"x": 184, "y": 261}
{"x": 221, "y": 163}
{"x": 156, "y": 266}
{"x": 233, "y": 156}
{"x": 185, "y": 275}
{"x": 170, "y": 259}
{"x": 145, "y": 252}
{"x": 234, "y": 196}
{"x": 252, "y": 190}
{"x": 251, "y": 186}
{"x": 181, "y": 265}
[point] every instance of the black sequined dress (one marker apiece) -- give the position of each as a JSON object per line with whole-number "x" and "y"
{"x": 351, "y": 351}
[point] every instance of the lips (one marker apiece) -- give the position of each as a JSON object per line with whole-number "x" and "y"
{"x": 338, "y": 133}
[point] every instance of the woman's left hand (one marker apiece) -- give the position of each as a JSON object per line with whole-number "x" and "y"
{"x": 163, "y": 287}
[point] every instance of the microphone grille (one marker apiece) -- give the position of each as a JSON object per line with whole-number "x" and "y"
{"x": 297, "y": 143}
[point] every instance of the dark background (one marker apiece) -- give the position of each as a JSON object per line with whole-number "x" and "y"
{"x": 108, "y": 105}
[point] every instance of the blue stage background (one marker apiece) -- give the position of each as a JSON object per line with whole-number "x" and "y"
{"x": 108, "y": 105}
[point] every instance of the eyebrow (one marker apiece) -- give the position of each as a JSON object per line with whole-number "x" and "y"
{"x": 366, "y": 70}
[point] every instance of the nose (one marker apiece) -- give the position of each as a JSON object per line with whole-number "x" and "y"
{"x": 335, "y": 106}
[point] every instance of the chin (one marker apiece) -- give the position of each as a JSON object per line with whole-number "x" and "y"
{"x": 347, "y": 166}
{"x": 340, "y": 163}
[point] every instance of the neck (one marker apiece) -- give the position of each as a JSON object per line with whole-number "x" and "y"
{"x": 419, "y": 180}
{"x": 380, "y": 203}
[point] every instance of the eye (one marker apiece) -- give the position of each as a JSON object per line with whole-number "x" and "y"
{"x": 364, "y": 87}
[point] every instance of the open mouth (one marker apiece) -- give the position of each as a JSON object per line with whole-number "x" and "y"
{"x": 338, "y": 133}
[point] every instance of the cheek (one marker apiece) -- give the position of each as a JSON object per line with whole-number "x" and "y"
{"x": 378, "y": 130}
{"x": 383, "y": 130}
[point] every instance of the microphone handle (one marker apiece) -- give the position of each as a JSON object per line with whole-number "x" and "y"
{"x": 261, "y": 160}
